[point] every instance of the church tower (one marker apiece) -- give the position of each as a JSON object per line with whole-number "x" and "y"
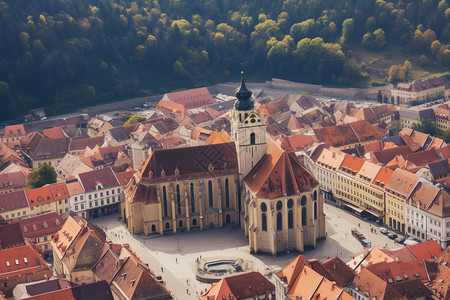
{"x": 248, "y": 130}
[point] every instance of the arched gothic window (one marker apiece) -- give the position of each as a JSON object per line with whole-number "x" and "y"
{"x": 279, "y": 221}
{"x": 165, "y": 201}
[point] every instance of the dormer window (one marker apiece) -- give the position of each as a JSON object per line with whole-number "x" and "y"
{"x": 163, "y": 173}
{"x": 177, "y": 172}
{"x": 16, "y": 261}
{"x": 210, "y": 167}
{"x": 8, "y": 264}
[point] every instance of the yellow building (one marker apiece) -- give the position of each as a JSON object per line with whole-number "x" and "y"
{"x": 346, "y": 191}
{"x": 420, "y": 91}
{"x": 398, "y": 189}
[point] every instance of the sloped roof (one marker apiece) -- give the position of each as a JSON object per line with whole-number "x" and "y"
{"x": 423, "y": 195}
{"x": 420, "y": 85}
{"x": 367, "y": 132}
{"x": 269, "y": 110}
{"x": 219, "y": 138}
{"x": 311, "y": 285}
{"x": 367, "y": 282}
{"x": 291, "y": 270}
{"x": 107, "y": 266}
{"x": 19, "y": 261}
{"x": 367, "y": 114}
{"x": 244, "y": 286}
{"x": 10, "y": 235}
{"x": 40, "y": 196}
{"x": 428, "y": 250}
{"x": 279, "y": 173}
{"x": 136, "y": 282}
{"x": 59, "y": 191}
{"x": 330, "y": 158}
{"x": 54, "y": 133}
{"x": 14, "y": 131}
{"x": 351, "y": 164}
{"x": 91, "y": 179}
{"x": 307, "y": 102}
{"x": 402, "y": 182}
{"x": 13, "y": 201}
{"x": 386, "y": 155}
{"x": 336, "y": 136}
{"x": 200, "y": 117}
{"x": 340, "y": 272}
{"x": 66, "y": 235}
{"x": 297, "y": 142}
{"x": 192, "y": 98}
{"x": 197, "y": 161}
{"x": 382, "y": 177}
{"x": 40, "y": 225}
{"x": 119, "y": 134}
{"x": 125, "y": 177}
{"x": 172, "y": 107}
{"x": 81, "y": 144}
{"x": 423, "y": 157}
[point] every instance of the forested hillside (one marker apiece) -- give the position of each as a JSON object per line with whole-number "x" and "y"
{"x": 64, "y": 54}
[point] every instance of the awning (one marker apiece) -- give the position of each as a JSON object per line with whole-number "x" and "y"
{"x": 352, "y": 207}
{"x": 375, "y": 214}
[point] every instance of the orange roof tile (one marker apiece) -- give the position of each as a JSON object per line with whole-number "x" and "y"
{"x": 375, "y": 287}
{"x": 74, "y": 188}
{"x": 54, "y": 133}
{"x": 59, "y": 191}
{"x": 351, "y": 164}
{"x": 19, "y": 261}
{"x": 172, "y": 107}
{"x": 296, "y": 142}
{"x": 426, "y": 250}
{"x": 66, "y": 235}
{"x": 383, "y": 176}
{"x": 191, "y": 98}
{"x": 40, "y": 196}
{"x": 269, "y": 110}
{"x": 219, "y": 138}
{"x": 290, "y": 272}
{"x": 279, "y": 173}
{"x": 331, "y": 158}
{"x": 402, "y": 182}
{"x": 14, "y": 131}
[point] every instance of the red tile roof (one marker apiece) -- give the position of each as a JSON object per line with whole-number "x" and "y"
{"x": 336, "y": 136}
{"x": 41, "y": 225}
{"x": 402, "y": 182}
{"x": 74, "y": 187}
{"x": 269, "y": 110}
{"x": 59, "y": 191}
{"x": 191, "y": 98}
{"x": 172, "y": 107}
{"x": 251, "y": 285}
{"x": 14, "y": 131}
{"x": 19, "y": 261}
{"x": 383, "y": 176}
{"x": 423, "y": 157}
{"x": 106, "y": 177}
{"x": 40, "y": 196}
{"x": 297, "y": 142}
{"x": 10, "y": 235}
{"x": 427, "y": 250}
{"x": 291, "y": 271}
{"x": 125, "y": 177}
{"x": 13, "y": 201}
{"x": 375, "y": 287}
{"x": 351, "y": 164}
{"x": 54, "y": 133}
{"x": 279, "y": 173}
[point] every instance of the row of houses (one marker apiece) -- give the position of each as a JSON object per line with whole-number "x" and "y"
{"x": 89, "y": 195}
{"x": 394, "y": 191}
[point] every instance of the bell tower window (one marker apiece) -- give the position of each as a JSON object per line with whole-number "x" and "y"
{"x": 252, "y": 138}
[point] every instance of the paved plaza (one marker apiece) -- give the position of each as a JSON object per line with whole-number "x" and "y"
{"x": 173, "y": 256}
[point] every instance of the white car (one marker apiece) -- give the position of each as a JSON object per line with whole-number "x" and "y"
{"x": 384, "y": 230}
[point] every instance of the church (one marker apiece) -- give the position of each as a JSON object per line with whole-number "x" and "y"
{"x": 245, "y": 180}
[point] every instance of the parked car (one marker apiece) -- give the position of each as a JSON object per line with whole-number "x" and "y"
{"x": 410, "y": 242}
{"x": 400, "y": 240}
{"x": 384, "y": 230}
{"x": 392, "y": 236}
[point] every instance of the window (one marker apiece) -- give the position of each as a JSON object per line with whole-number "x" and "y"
{"x": 315, "y": 210}
{"x": 107, "y": 193}
{"x": 252, "y": 139}
{"x": 279, "y": 221}
{"x": 81, "y": 197}
{"x": 192, "y": 198}
{"x": 279, "y": 205}
{"x": 95, "y": 195}
{"x": 210, "y": 192}
{"x": 90, "y": 197}
{"x": 101, "y": 194}
{"x": 194, "y": 222}
{"x": 227, "y": 194}
{"x": 264, "y": 222}
{"x": 178, "y": 199}
{"x": 290, "y": 219}
{"x": 82, "y": 206}
{"x": 153, "y": 228}
{"x": 303, "y": 216}
{"x": 165, "y": 202}
{"x": 303, "y": 201}
{"x": 167, "y": 225}
{"x": 112, "y": 192}
{"x": 76, "y": 207}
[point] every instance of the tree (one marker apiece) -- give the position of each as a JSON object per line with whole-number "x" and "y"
{"x": 426, "y": 126}
{"x": 134, "y": 119}
{"x": 45, "y": 174}
{"x": 379, "y": 96}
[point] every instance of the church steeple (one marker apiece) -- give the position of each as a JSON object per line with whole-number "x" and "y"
{"x": 243, "y": 95}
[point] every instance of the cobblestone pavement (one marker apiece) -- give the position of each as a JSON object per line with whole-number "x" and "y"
{"x": 173, "y": 256}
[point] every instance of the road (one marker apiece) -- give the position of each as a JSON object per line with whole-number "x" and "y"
{"x": 173, "y": 256}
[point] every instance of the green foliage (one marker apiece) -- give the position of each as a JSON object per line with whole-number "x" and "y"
{"x": 426, "y": 126}
{"x": 45, "y": 174}
{"x": 135, "y": 119}
{"x": 64, "y": 55}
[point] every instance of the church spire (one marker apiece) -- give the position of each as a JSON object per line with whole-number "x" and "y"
{"x": 243, "y": 95}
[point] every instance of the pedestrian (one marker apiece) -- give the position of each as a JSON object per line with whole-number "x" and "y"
{"x": 162, "y": 270}
{"x": 176, "y": 260}
{"x": 359, "y": 225}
